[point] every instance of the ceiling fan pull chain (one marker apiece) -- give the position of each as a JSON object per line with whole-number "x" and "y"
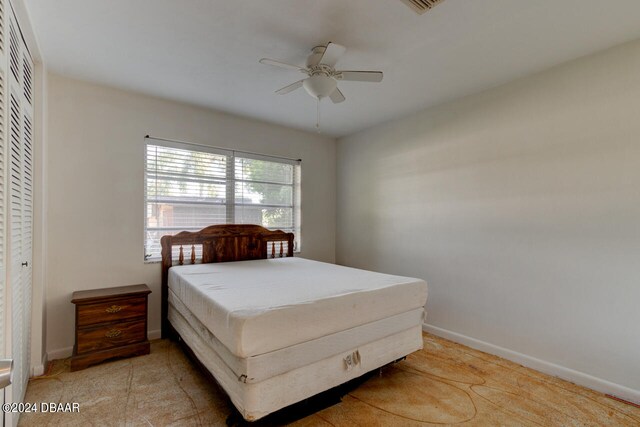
{"x": 318, "y": 117}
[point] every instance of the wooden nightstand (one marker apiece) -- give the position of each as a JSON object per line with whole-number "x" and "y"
{"x": 110, "y": 322}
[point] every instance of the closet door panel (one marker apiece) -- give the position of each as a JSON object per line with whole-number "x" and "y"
{"x": 16, "y": 202}
{"x": 3, "y": 174}
{"x": 15, "y": 247}
{"x": 26, "y": 250}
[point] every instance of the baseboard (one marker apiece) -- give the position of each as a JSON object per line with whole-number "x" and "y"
{"x": 154, "y": 335}
{"x": 549, "y": 368}
{"x": 38, "y": 370}
{"x": 61, "y": 353}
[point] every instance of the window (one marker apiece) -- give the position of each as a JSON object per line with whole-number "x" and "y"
{"x": 189, "y": 187}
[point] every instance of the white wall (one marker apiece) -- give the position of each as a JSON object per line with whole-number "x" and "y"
{"x": 94, "y": 200}
{"x": 520, "y": 206}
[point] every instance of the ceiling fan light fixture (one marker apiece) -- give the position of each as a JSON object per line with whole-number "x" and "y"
{"x": 320, "y": 86}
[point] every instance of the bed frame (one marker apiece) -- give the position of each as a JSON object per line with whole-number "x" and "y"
{"x": 220, "y": 243}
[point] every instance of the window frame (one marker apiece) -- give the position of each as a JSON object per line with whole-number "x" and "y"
{"x": 230, "y": 181}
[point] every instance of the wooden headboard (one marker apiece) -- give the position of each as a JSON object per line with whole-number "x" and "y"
{"x": 219, "y": 243}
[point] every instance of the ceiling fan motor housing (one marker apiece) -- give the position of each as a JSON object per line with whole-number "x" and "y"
{"x": 320, "y": 84}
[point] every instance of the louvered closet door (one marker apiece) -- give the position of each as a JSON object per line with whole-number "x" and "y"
{"x": 19, "y": 206}
{"x": 3, "y": 174}
{"x": 26, "y": 221}
{"x": 14, "y": 210}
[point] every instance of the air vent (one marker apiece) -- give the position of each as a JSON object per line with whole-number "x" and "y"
{"x": 421, "y": 6}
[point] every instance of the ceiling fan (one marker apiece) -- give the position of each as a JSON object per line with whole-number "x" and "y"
{"x": 322, "y": 80}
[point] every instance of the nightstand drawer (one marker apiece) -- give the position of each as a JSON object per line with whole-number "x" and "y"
{"x": 112, "y": 335}
{"x": 129, "y": 308}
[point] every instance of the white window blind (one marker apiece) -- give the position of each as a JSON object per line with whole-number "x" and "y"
{"x": 189, "y": 187}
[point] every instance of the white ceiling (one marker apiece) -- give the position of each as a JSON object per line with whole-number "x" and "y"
{"x": 206, "y": 52}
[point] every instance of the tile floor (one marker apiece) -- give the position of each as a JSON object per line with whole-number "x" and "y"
{"x": 445, "y": 383}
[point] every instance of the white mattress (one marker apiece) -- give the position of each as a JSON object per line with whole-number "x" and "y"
{"x": 261, "y": 367}
{"x": 255, "y": 307}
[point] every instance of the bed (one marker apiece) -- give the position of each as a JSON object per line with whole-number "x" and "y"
{"x": 273, "y": 329}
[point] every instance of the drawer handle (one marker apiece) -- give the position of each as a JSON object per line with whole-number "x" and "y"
{"x": 114, "y": 308}
{"x": 113, "y": 333}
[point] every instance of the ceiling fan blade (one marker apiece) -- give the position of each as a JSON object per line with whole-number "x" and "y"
{"x": 360, "y": 76}
{"x": 331, "y": 54}
{"x": 337, "y": 96}
{"x": 281, "y": 64}
{"x": 290, "y": 88}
